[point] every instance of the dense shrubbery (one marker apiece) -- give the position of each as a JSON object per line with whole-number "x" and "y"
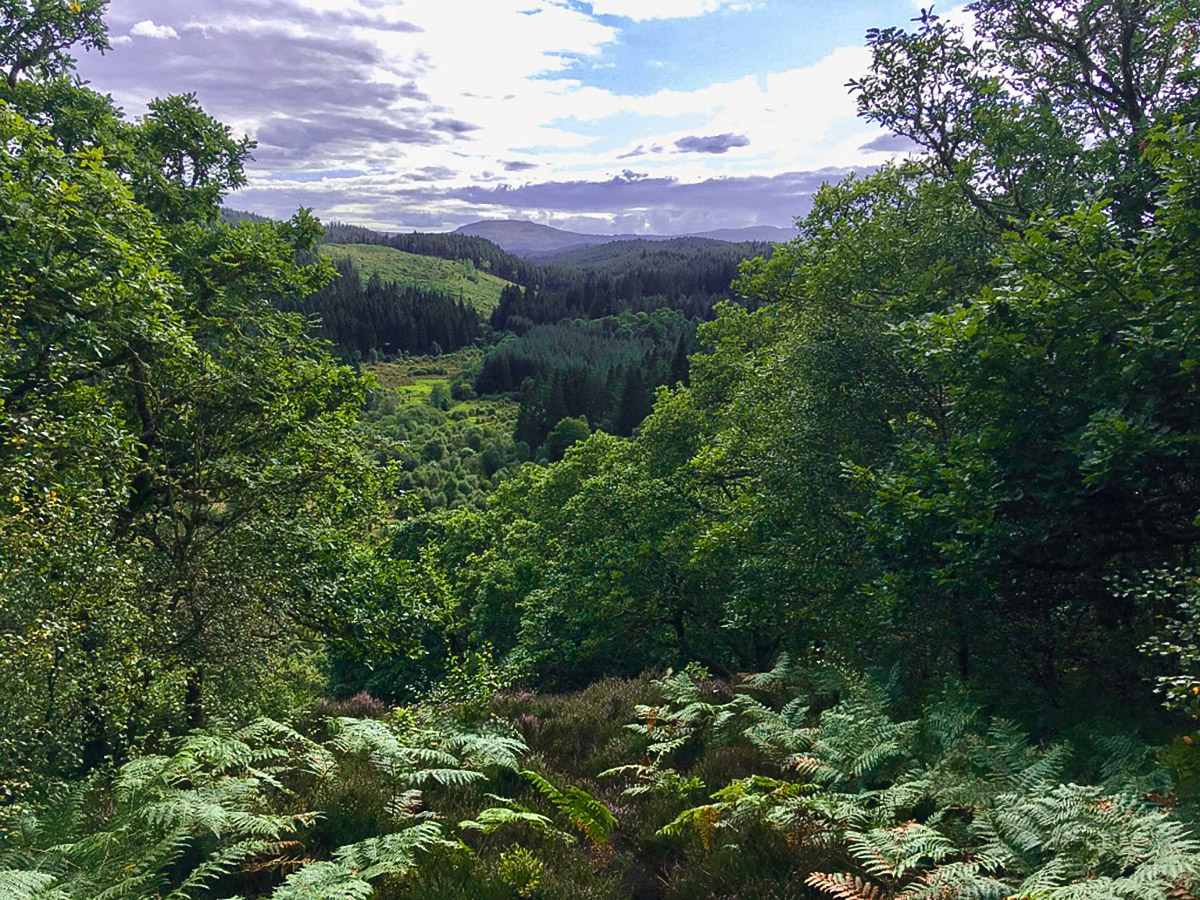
{"x": 684, "y": 787}
{"x": 175, "y": 453}
{"x": 449, "y": 454}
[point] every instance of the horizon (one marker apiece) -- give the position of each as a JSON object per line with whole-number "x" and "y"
{"x": 603, "y": 117}
{"x": 465, "y": 225}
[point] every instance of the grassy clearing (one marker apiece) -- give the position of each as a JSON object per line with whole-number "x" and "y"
{"x": 415, "y": 378}
{"x": 423, "y": 369}
{"x": 455, "y": 278}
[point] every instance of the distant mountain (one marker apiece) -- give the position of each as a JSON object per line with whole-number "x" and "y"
{"x": 533, "y": 239}
{"x": 521, "y": 237}
{"x": 677, "y": 256}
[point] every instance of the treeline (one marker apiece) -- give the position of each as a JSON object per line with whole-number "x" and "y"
{"x": 373, "y": 316}
{"x": 604, "y": 371}
{"x": 483, "y": 253}
{"x": 691, "y": 275}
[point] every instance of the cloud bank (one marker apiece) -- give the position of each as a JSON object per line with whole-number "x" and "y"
{"x": 414, "y": 115}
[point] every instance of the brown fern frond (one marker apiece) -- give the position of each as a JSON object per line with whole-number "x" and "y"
{"x": 805, "y": 765}
{"x": 706, "y": 824}
{"x": 288, "y": 856}
{"x": 843, "y": 886}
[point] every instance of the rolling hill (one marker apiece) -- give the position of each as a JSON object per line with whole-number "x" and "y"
{"x": 455, "y": 278}
{"x": 532, "y": 239}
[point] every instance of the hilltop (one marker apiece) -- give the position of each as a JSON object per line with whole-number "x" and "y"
{"x": 459, "y": 279}
{"x": 530, "y": 238}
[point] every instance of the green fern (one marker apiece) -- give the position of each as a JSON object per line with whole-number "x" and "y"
{"x": 323, "y": 881}
{"x": 996, "y": 819}
{"x": 513, "y": 816}
{"x": 178, "y": 823}
{"x": 584, "y": 811}
{"x": 174, "y": 827}
{"x": 16, "y": 885}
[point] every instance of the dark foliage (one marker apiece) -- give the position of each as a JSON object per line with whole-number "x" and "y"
{"x": 361, "y": 317}
{"x": 691, "y": 275}
{"x": 605, "y": 370}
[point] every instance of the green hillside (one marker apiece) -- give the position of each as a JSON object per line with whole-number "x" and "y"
{"x": 457, "y": 278}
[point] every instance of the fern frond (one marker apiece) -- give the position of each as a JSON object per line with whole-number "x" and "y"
{"x": 960, "y": 880}
{"x": 895, "y": 852}
{"x": 323, "y": 881}
{"x": 18, "y": 885}
{"x": 392, "y": 854}
{"x": 495, "y": 818}
{"x": 447, "y": 777}
{"x": 846, "y": 887}
{"x": 491, "y": 751}
{"x": 585, "y": 812}
{"x": 772, "y": 680}
{"x": 224, "y": 862}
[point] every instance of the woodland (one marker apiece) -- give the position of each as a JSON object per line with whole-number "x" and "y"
{"x": 861, "y": 567}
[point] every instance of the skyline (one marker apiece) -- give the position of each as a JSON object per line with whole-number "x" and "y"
{"x": 611, "y": 116}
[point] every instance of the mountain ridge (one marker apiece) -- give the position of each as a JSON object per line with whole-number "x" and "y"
{"x": 523, "y": 237}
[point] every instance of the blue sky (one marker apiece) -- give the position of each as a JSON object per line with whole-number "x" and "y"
{"x": 659, "y": 116}
{"x": 731, "y": 43}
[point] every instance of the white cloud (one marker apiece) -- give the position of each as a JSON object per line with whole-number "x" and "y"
{"x": 644, "y": 10}
{"x": 422, "y": 87}
{"x": 148, "y": 29}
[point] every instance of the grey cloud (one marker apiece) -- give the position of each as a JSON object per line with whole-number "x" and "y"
{"x": 430, "y": 174}
{"x": 454, "y": 126}
{"x": 315, "y": 94}
{"x": 716, "y": 143}
{"x": 518, "y": 165}
{"x": 641, "y": 150}
{"x": 656, "y": 205}
{"x": 293, "y": 138}
{"x": 755, "y": 199}
{"x": 896, "y": 143}
{"x": 126, "y": 12}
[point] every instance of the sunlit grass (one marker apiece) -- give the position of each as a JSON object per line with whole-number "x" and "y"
{"x": 459, "y": 279}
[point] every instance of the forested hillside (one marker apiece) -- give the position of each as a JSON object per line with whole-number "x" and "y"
{"x": 691, "y": 275}
{"x": 369, "y": 316}
{"x": 457, "y": 279}
{"x": 482, "y": 253}
{"x": 389, "y": 302}
{"x": 881, "y": 583}
{"x": 603, "y": 371}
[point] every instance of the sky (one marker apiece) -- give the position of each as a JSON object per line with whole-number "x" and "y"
{"x": 608, "y": 116}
